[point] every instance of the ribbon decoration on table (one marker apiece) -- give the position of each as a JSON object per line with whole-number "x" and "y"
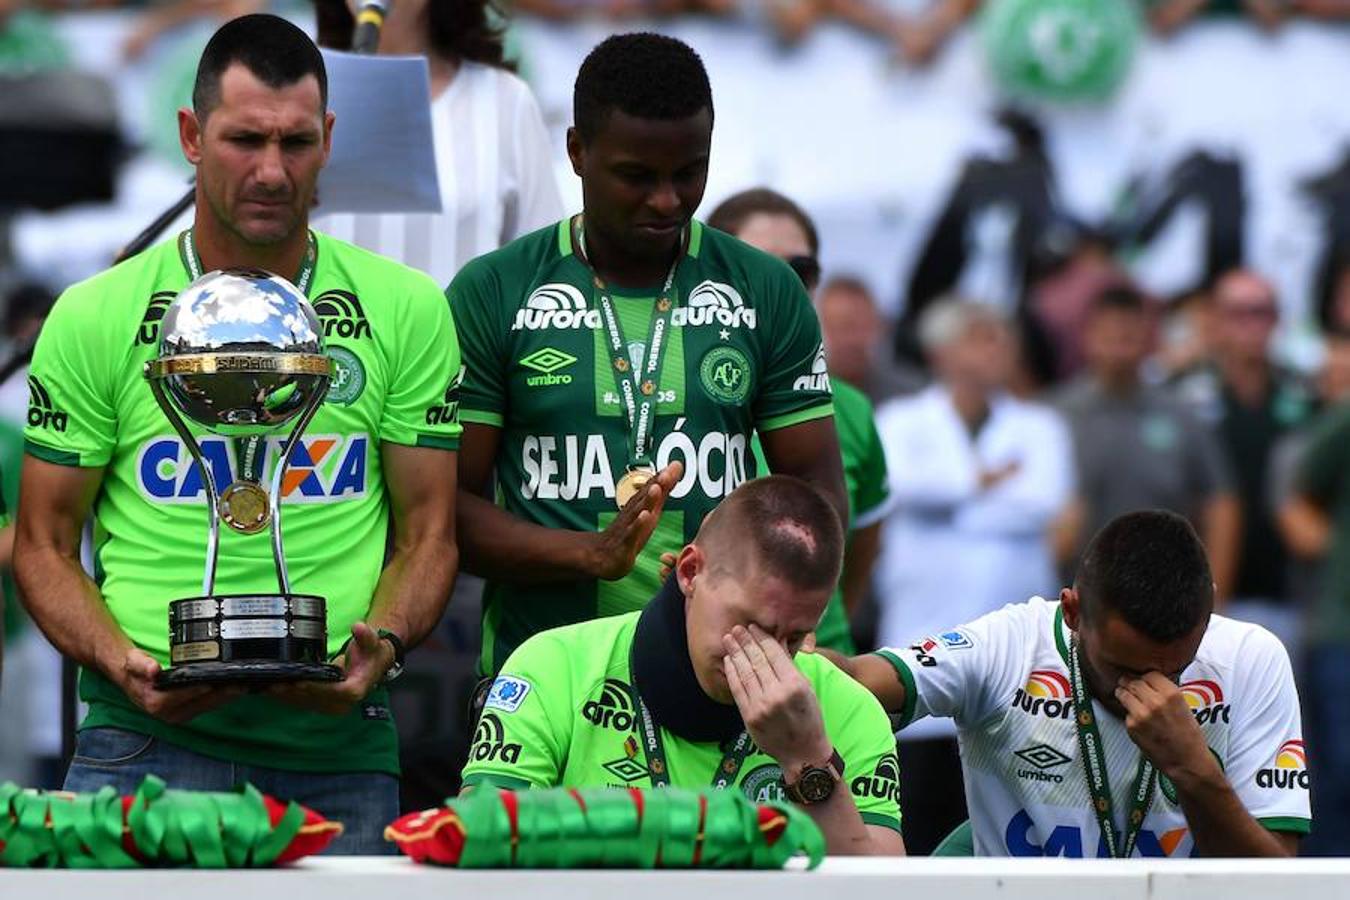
{"x": 156, "y": 827}
{"x": 562, "y": 828}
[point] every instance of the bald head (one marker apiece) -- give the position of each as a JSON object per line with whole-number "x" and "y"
{"x": 1246, "y": 313}
{"x": 778, "y": 526}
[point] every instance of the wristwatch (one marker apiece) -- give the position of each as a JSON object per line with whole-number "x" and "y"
{"x": 397, "y": 643}
{"x": 815, "y": 784}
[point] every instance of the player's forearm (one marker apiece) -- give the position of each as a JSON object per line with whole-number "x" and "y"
{"x": 69, "y": 608}
{"x": 1221, "y": 825}
{"x": 864, "y": 547}
{"x": 495, "y": 544}
{"x": 845, "y": 832}
{"x": 414, "y": 588}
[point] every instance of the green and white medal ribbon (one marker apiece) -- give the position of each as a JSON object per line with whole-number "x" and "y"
{"x": 655, "y": 749}
{"x": 1094, "y": 767}
{"x": 638, "y": 381}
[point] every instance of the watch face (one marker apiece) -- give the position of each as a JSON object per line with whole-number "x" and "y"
{"x": 816, "y": 785}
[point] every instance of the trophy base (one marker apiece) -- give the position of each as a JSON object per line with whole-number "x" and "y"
{"x": 248, "y": 639}
{"x": 246, "y": 671}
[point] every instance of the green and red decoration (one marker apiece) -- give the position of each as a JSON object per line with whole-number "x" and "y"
{"x": 156, "y": 827}
{"x": 607, "y": 828}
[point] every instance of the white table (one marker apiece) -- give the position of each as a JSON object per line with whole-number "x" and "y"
{"x": 380, "y": 878}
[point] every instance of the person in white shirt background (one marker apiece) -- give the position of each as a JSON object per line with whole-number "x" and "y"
{"x": 493, "y": 156}
{"x": 977, "y": 476}
{"x": 494, "y": 164}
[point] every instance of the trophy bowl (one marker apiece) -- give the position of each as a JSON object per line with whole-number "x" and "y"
{"x": 247, "y": 316}
{"x": 241, "y": 354}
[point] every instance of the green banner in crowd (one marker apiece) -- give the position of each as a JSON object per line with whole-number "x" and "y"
{"x": 1064, "y": 51}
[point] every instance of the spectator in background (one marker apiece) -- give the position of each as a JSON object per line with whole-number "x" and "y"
{"x": 1167, "y": 16}
{"x": 977, "y": 477}
{"x": 855, "y": 339}
{"x": 1137, "y": 446}
{"x": 1070, "y": 266}
{"x": 1251, "y": 403}
{"x": 1316, "y": 523}
{"x": 775, "y": 224}
{"x": 1304, "y": 525}
{"x": 922, "y": 36}
{"x": 159, "y": 18}
{"x": 493, "y": 157}
{"x": 566, "y": 10}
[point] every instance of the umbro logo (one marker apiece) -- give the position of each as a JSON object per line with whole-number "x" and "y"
{"x": 342, "y": 315}
{"x": 159, "y": 304}
{"x": 546, "y": 361}
{"x": 1042, "y": 757}
{"x": 42, "y": 412}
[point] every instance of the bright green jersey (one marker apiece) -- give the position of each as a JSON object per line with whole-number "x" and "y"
{"x": 391, "y": 335}
{"x": 743, "y": 352}
{"x": 864, "y": 462}
{"x": 559, "y": 717}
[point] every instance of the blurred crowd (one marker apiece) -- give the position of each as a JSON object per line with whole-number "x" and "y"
{"x": 917, "y": 29}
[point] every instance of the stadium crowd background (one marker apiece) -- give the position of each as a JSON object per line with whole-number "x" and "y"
{"x": 1087, "y": 214}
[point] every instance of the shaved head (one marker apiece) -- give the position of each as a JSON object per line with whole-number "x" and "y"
{"x": 779, "y": 526}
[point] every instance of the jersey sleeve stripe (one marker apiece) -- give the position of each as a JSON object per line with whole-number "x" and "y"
{"x": 481, "y": 417}
{"x": 876, "y": 818}
{"x": 1295, "y": 824}
{"x": 907, "y": 679}
{"x": 796, "y": 418}
{"x": 51, "y": 454}
{"x": 492, "y": 779}
{"x": 865, "y": 517}
{"x": 438, "y": 441}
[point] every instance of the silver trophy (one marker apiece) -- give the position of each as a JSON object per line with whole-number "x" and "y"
{"x": 241, "y": 354}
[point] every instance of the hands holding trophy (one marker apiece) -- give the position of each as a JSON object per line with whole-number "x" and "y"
{"x": 241, "y": 354}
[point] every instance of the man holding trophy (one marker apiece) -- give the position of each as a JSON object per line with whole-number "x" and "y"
{"x": 188, "y": 398}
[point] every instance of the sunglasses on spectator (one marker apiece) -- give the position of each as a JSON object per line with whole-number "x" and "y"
{"x": 1262, "y": 312}
{"x": 807, "y": 269}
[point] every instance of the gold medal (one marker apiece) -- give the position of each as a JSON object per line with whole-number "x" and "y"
{"x": 631, "y": 482}
{"x": 243, "y": 507}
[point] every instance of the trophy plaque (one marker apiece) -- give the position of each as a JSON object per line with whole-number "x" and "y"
{"x": 241, "y": 354}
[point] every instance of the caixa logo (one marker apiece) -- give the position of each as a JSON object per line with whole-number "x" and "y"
{"x": 324, "y": 468}
{"x": 1023, "y": 838}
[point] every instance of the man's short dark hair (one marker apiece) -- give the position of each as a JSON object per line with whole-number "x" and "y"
{"x": 731, "y": 214}
{"x": 647, "y": 76}
{"x": 1149, "y": 568}
{"x": 782, "y": 524}
{"x": 1119, "y": 298}
{"x": 275, "y": 51}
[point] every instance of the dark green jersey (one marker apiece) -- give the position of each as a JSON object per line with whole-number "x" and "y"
{"x": 743, "y": 352}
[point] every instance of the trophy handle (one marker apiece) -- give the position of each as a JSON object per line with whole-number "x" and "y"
{"x": 274, "y": 495}
{"x": 208, "y": 481}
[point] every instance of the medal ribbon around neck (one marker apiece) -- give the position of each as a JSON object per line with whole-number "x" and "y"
{"x": 1094, "y": 769}
{"x": 637, "y": 386}
{"x": 244, "y": 503}
{"x": 733, "y": 759}
{"x": 187, "y": 249}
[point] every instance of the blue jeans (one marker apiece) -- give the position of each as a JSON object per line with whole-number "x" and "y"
{"x": 364, "y": 802}
{"x": 1328, "y": 686}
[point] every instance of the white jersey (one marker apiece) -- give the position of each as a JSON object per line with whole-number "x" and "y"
{"x": 495, "y": 167}
{"x": 1004, "y": 678}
